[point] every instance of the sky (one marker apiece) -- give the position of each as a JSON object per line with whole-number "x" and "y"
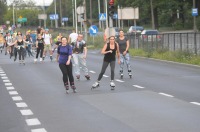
{"x": 37, "y": 2}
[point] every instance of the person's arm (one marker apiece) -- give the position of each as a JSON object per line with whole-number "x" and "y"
{"x": 57, "y": 57}
{"x": 118, "y": 53}
{"x": 36, "y": 43}
{"x": 69, "y": 39}
{"x": 127, "y": 47}
{"x": 58, "y": 54}
{"x": 103, "y": 51}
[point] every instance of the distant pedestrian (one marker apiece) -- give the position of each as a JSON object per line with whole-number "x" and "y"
{"x": 47, "y": 44}
{"x": 2, "y": 41}
{"x": 124, "y": 53}
{"x": 110, "y": 50}
{"x": 79, "y": 57}
{"x": 39, "y": 47}
{"x": 63, "y": 57}
{"x": 72, "y": 37}
{"x": 20, "y": 44}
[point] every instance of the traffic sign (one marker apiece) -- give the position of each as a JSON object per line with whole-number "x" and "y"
{"x": 115, "y": 16}
{"x": 22, "y": 19}
{"x": 194, "y": 11}
{"x": 65, "y": 19}
{"x": 102, "y": 16}
{"x": 53, "y": 16}
{"x": 93, "y": 30}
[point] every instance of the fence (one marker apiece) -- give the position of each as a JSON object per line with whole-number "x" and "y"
{"x": 189, "y": 42}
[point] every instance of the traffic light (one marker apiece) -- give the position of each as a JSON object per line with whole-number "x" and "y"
{"x": 111, "y": 8}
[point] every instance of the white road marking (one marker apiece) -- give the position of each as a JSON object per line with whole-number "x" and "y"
{"x": 13, "y": 92}
{"x": 26, "y": 112}
{"x": 6, "y": 80}
{"x": 92, "y": 71}
{"x": 196, "y": 103}
{"x": 8, "y": 84}
{"x": 137, "y": 86}
{"x": 4, "y": 77}
{"x": 22, "y": 104}
{"x": 168, "y": 95}
{"x": 105, "y": 76}
{"x": 32, "y": 122}
{"x": 10, "y": 88}
{"x": 38, "y": 130}
{"x": 2, "y": 74}
{"x": 119, "y": 80}
{"x": 17, "y": 98}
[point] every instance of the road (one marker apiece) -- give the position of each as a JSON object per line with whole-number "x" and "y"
{"x": 161, "y": 97}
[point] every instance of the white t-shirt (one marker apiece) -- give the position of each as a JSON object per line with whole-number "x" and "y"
{"x": 9, "y": 40}
{"x": 47, "y": 38}
{"x": 73, "y": 37}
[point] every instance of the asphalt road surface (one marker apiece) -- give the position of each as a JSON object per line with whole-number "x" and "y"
{"x": 161, "y": 97}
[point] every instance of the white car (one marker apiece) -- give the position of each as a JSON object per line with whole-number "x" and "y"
{"x": 150, "y": 35}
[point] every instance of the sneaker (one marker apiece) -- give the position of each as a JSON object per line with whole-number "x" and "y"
{"x": 112, "y": 84}
{"x": 87, "y": 77}
{"x": 41, "y": 59}
{"x": 35, "y": 60}
{"x": 95, "y": 85}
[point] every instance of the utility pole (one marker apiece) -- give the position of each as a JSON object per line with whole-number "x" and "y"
{"x": 99, "y": 13}
{"x": 152, "y": 15}
{"x": 44, "y": 13}
{"x": 61, "y": 12}
{"x": 76, "y": 17}
{"x": 13, "y": 13}
{"x": 73, "y": 12}
{"x": 194, "y": 18}
{"x": 56, "y": 20}
{"x": 91, "y": 11}
{"x": 85, "y": 18}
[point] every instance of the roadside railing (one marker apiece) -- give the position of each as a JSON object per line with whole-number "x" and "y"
{"x": 189, "y": 42}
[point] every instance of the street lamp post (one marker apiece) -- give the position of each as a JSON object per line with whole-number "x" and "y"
{"x": 56, "y": 21}
{"x": 44, "y": 13}
{"x": 13, "y": 13}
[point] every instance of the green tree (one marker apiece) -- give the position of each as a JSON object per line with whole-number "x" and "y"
{"x": 3, "y": 10}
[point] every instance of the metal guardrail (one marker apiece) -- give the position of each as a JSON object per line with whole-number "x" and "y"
{"x": 189, "y": 42}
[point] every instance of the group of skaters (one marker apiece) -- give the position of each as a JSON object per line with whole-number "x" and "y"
{"x": 69, "y": 48}
{"x": 75, "y": 48}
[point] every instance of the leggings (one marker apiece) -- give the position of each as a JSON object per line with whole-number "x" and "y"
{"x": 39, "y": 50}
{"x": 67, "y": 73}
{"x": 21, "y": 53}
{"x": 104, "y": 67}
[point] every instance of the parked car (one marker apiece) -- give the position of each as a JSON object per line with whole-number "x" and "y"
{"x": 135, "y": 29}
{"x": 150, "y": 35}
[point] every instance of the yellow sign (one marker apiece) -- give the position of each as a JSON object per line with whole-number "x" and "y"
{"x": 20, "y": 16}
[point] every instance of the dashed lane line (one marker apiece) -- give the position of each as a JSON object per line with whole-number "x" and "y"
{"x": 105, "y": 76}
{"x": 137, "y": 86}
{"x": 118, "y": 80}
{"x": 196, "y": 103}
{"x": 168, "y": 95}
{"x": 33, "y": 122}
{"x": 92, "y": 71}
{"x": 25, "y": 111}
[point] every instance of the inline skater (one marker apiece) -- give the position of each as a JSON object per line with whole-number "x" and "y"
{"x": 124, "y": 53}
{"x": 79, "y": 57}
{"x": 110, "y": 50}
{"x": 63, "y": 57}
